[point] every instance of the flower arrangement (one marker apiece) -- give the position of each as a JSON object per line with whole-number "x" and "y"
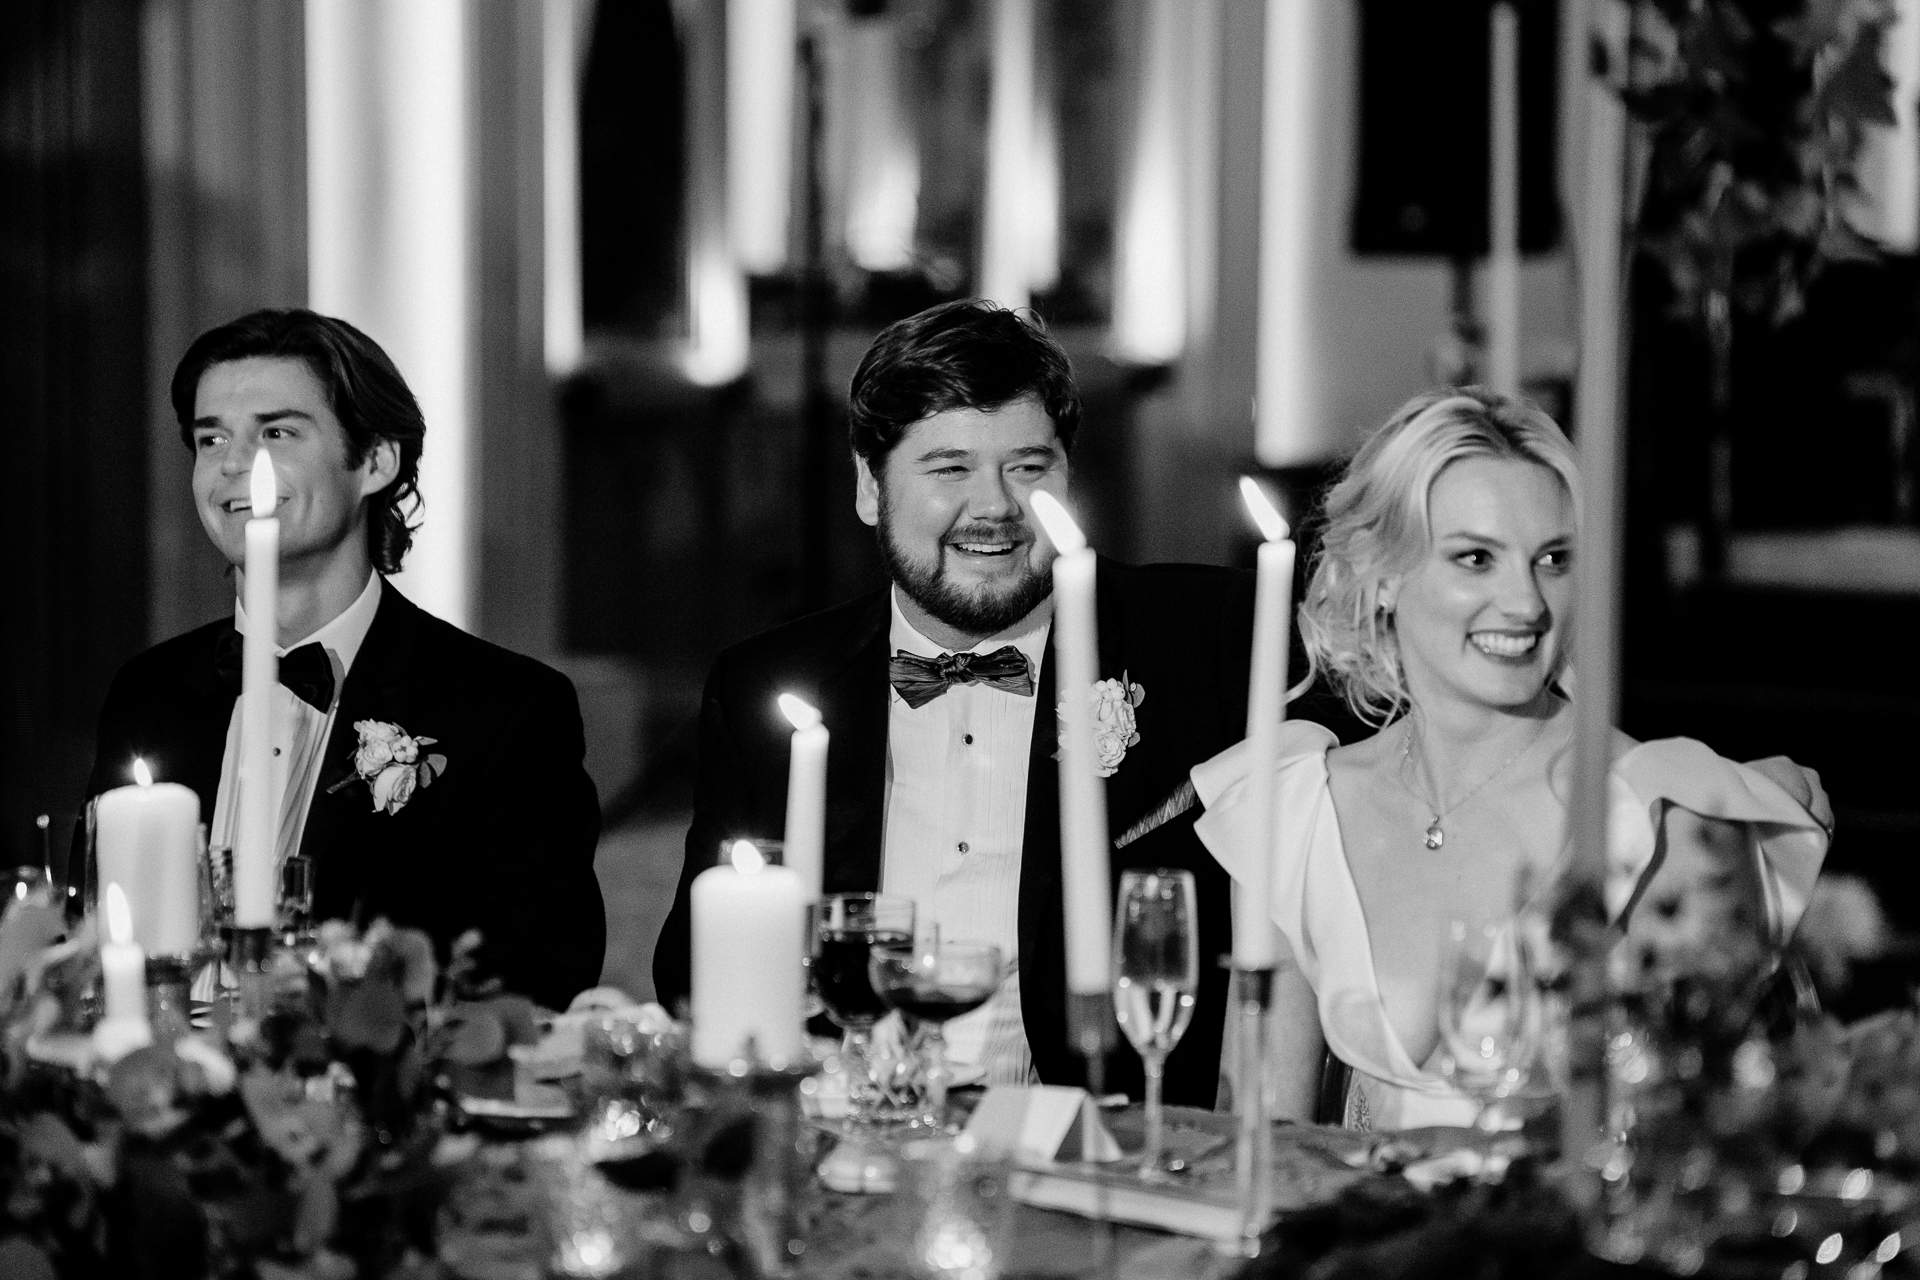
{"x": 312, "y": 1143}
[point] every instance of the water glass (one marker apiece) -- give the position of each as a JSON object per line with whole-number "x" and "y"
{"x": 1488, "y": 1011}
{"x": 1156, "y": 971}
{"x": 957, "y": 1208}
{"x": 593, "y": 1227}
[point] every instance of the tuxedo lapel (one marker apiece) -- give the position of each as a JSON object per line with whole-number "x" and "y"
{"x": 853, "y": 702}
{"x": 367, "y": 694}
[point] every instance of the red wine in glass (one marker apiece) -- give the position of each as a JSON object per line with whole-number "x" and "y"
{"x": 840, "y": 973}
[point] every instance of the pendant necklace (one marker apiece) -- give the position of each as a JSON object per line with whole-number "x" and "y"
{"x": 1435, "y": 837}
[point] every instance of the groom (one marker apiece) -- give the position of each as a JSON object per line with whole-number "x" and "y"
{"x": 940, "y": 694}
{"x": 432, "y": 778}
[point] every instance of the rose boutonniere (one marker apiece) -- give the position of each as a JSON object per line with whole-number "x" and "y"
{"x": 392, "y": 764}
{"x": 1114, "y": 726}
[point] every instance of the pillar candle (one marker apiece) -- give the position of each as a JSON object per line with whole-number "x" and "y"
{"x": 748, "y": 940}
{"x": 1503, "y": 203}
{"x": 806, "y": 834}
{"x": 1083, "y": 803}
{"x": 255, "y": 850}
{"x": 1254, "y": 940}
{"x": 146, "y": 839}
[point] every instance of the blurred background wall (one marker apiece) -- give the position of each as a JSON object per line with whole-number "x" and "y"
{"x": 628, "y": 253}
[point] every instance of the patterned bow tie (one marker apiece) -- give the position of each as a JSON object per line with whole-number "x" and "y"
{"x": 306, "y": 671}
{"x": 921, "y": 680}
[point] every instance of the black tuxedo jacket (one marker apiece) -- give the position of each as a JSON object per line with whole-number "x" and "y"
{"x": 502, "y": 841}
{"x": 1182, "y": 632}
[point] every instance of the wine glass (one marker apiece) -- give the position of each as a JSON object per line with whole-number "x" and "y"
{"x": 1156, "y": 969}
{"x": 930, "y": 986}
{"x": 849, "y": 926}
{"x": 1487, "y": 1010}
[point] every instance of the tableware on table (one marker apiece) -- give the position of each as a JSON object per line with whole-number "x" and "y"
{"x": 929, "y": 986}
{"x": 1488, "y": 1013}
{"x": 1156, "y": 971}
{"x": 956, "y": 1208}
{"x": 849, "y": 926}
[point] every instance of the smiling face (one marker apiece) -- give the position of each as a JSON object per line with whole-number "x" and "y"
{"x": 1483, "y": 617}
{"x": 275, "y": 403}
{"x": 950, "y": 502}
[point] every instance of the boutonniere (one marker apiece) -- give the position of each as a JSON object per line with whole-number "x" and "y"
{"x": 1114, "y": 726}
{"x": 390, "y": 761}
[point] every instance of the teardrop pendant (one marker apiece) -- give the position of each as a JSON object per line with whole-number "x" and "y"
{"x": 1435, "y": 836}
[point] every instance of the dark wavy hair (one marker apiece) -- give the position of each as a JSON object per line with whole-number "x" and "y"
{"x": 364, "y": 390}
{"x": 970, "y": 354}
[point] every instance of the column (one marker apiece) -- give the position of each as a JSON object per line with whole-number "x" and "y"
{"x": 389, "y": 243}
{"x": 1150, "y": 307}
{"x": 1287, "y": 397}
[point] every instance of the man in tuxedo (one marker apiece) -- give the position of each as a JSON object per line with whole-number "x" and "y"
{"x": 431, "y": 778}
{"x": 940, "y": 694}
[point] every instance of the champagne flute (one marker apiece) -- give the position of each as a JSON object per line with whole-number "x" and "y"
{"x": 1487, "y": 1013}
{"x": 849, "y": 926}
{"x": 929, "y": 986}
{"x": 1156, "y": 967}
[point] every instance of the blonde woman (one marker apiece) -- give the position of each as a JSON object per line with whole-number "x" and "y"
{"x": 1440, "y": 606}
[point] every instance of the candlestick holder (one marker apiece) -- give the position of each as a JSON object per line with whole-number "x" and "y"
{"x": 1090, "y": 1030}
{"x": 743, "y": 1188}
{"x": 1253, "y": 1148}
{"x": 250, "y": 960}
{"x": 169, "y": 997}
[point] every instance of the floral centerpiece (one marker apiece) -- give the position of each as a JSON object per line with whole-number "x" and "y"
{"x": 310, "y": 1143}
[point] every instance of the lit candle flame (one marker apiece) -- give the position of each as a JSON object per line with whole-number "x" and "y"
{"x": 747, "y": 858}
{"x": 119, "y": 917}
{"x": 1058, "y": 525}
{"x": 264, "y": 488}
{"x": 142, "y": 774}
{"x": 799, "y": 713}
{"x": 1272, "y": 527}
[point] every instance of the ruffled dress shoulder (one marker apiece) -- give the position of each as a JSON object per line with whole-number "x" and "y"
{"x": 1316, "y": 906}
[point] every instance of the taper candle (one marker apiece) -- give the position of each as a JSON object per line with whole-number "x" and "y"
{"x": 806, "y": 834}
{"x": 255, "y": 845}
{"x": 1085, "y": 880}
{"x": 1255, "y": 944}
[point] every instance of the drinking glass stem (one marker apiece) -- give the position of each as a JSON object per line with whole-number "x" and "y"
{"x": 856, "y": 1051}
{"x": 934, "y": 1053}
{"x": 1155, "y": 1147}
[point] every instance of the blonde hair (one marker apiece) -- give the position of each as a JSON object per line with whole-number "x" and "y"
{"x": 1377, "y": 528}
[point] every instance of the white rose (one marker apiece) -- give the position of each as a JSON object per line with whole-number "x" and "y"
{"x": 393, "y": 788}
{"x": 1108, "y": 750}
{"x": 373, "y": 756}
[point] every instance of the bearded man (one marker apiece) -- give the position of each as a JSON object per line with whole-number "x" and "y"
{"x": 939, "y": 691}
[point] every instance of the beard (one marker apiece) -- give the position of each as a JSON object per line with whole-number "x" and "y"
{"x": 982, "y": 610}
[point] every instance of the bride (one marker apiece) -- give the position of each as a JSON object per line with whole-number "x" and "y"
{"x": 1440, "y": 606}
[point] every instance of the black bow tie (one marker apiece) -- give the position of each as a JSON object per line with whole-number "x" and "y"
{"x": 921, "y": 680}
{"x": 306, "y": 671}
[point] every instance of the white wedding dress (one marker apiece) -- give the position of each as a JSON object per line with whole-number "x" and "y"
{"x": 1317, "y": 907}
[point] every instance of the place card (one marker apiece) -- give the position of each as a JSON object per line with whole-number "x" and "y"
{"x": 1040, "y": 1123}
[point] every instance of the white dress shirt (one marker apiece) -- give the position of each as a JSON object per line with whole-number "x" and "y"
{"x": 300, "y": 731}
{"x": 955, "y": 821}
